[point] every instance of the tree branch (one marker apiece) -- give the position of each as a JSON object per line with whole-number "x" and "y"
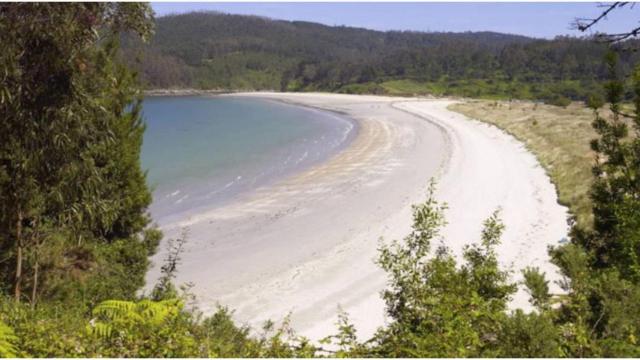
{"x": 614, "y": 38}
{"x": 585, "y": 24}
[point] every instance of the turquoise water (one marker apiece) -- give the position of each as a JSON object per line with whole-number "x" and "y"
{"x": 204, "y": 151}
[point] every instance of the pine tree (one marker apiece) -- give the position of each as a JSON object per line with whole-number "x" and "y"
{"x": 615, "y": 241}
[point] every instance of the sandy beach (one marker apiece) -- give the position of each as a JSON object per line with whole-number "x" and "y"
{"x": 306, "y": 245}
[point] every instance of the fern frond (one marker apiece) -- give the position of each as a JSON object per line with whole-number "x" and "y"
{"x": 101, "y": 330}
{"x": 158, "y": 311}
{"x": 112, "y": 314}
{"x": 115, "y": 309}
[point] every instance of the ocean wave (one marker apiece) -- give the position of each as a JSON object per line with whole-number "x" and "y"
{"x": 304, "y": 156}
{"x": 181, "y": 199}
{"x": 175, "y": 193}
{"x": 225, "y": 187}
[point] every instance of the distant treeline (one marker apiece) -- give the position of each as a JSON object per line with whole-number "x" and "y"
{"x": 219, "y": 51}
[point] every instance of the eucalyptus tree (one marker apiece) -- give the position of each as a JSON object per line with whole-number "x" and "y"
{"x": 70, "y": 135}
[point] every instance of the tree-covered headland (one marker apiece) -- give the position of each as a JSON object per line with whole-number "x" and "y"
{"x": 76, "y": 237}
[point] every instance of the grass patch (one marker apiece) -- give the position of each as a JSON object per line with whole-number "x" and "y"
{"x": 411, "y": 87}
{"x": 552, "y": 92}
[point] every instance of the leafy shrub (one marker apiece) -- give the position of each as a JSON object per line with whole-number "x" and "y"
{"x": 440, "y": 309}
{"x": 49, "y": 330}
{"x": 366, "y": 88}
{"x": 558, "y": 100}
{"x": 530, "y": 335}
{"x": 7, "y": 342}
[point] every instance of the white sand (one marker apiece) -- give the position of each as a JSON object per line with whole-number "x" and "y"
{"x": 306, "y": 244}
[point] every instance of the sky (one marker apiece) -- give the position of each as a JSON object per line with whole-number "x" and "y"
{"x": 542, "y": 20}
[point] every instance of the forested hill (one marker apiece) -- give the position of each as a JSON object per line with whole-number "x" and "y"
{"x": 221, "y": 51}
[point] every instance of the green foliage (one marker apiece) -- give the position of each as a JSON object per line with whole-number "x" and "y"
{"x": 7, "y": 342}
{"x": 537, "y": 286}
{"x": 366, "y": 88}
{"x": 144, "y": 328}
{"x": 70, "y": 178}
{"x": 530, "y": 336}
{"x": 49, "y": 330}
{"x": 147, "y": 312}
{"x": 222, "y": 51}
{"x": 598, "y": 315}
{"x": 224, "y": 338}
{"x": 345, "y": 341}
{"x": 281, "y": 342}
{"x": 437, "y": 308}
{"x": 595, "y": 101}
{"x": 558, "y": 100}
{"x": 615, "y": 240}
{"x": 555, "y": 92}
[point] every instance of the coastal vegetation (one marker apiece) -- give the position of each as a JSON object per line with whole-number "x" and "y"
{"x": 76, "y": 237}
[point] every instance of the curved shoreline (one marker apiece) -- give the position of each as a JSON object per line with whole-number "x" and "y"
{"x": 528, "y": 205}
{"x": 307, "y": 244}
{"x": 344, "y": 130}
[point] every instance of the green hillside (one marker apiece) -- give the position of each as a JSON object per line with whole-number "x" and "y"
{"x": 220, "y": 51}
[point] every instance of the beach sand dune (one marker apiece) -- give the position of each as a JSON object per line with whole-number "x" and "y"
{"x": 306, "y": 245}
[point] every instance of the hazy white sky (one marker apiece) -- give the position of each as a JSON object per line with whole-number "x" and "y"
{"x": 532, "y": 19}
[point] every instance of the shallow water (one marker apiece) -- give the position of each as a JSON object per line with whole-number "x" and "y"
{"x": 201, "y": 152}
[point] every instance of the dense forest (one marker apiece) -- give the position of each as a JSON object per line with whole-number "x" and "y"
{"x": 221, "y": 51}
{"x": 75, "y": 233}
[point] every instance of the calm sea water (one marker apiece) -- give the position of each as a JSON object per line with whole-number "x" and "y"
{"x": 204, "y": 151}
